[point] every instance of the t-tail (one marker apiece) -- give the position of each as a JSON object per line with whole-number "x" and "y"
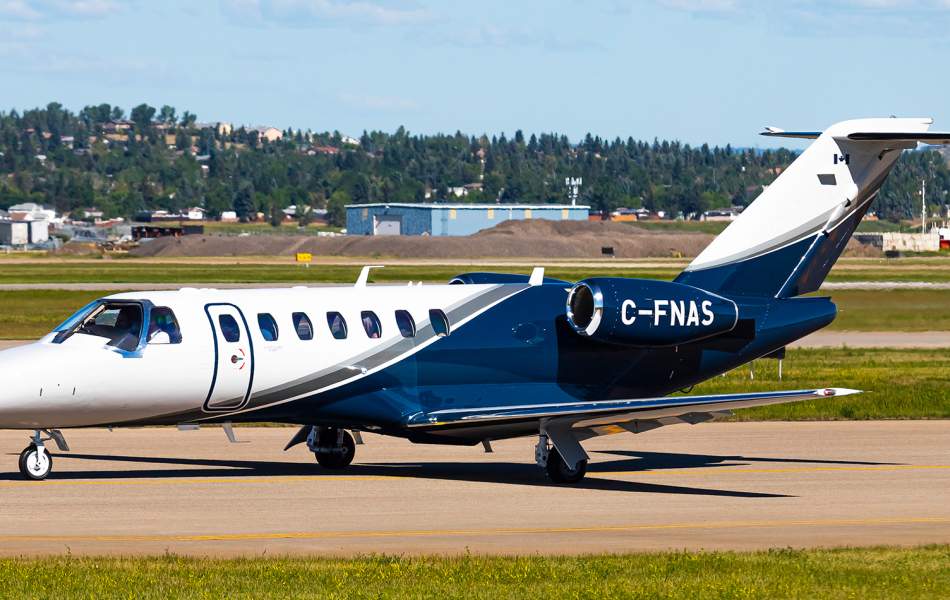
{"x": 786, "y": 241}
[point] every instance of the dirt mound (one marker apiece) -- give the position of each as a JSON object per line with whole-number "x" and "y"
{"x": 510, "y": 239}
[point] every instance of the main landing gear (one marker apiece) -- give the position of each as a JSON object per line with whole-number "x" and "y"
{"x": 334, "y": 448}
{"x": 558, "y": 469}
{"x": 36, "y": 463}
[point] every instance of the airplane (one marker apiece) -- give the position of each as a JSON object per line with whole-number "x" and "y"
{"x": 487, "y": 356}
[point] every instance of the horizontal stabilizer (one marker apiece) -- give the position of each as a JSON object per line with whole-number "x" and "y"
{"x": 930, "y": 137}
{"x": 606, "y": 412}
{"x": 802, "y": 135}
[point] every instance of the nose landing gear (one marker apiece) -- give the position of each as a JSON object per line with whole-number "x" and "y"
{"x": 35, "y": 462}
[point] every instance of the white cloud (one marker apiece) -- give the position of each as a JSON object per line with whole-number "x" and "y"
{"x": 702, "y": 5}
{"x": 18, "y": 9}
{"x": 36, "y": 10}
{"x": 303, "y": 13}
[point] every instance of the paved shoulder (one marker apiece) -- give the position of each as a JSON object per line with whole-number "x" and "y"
{"x": 875, "y": 339}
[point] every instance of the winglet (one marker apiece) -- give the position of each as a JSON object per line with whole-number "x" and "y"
{"x": 364, "y": 275}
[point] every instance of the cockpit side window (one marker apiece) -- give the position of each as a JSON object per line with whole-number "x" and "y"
{"x": 163, "y": 326}
{"x": 121, "y": 323}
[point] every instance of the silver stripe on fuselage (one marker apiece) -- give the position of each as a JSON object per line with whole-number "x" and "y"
{"x": 365, "y": 364}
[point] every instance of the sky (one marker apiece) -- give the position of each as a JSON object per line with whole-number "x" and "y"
{"x": 697, "y": 71}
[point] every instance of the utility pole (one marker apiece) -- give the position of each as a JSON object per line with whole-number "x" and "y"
{"x": 923, "y": 206}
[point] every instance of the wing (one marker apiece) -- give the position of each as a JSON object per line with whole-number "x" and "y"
{"x": 604, "y": 416}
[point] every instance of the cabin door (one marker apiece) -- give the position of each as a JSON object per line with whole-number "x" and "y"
{"x": 233, "y": 358}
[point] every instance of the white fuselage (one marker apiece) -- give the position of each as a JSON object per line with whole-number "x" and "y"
{"x": 82, "y": 381}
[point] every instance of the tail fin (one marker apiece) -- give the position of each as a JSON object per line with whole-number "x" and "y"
{"x": 788, "y": 239}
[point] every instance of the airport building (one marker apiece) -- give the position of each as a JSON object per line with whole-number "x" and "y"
{"x": 449, "y": 219}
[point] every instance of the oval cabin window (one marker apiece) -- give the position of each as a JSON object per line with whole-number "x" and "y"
{"x": 337, "y": 325}
{"x": 405, "y": 323}
{"x": 371, "y": 324}
{"x": 440, "y": 323}
{"x": 302, "y": 325}
{"x": 268, "y": 327}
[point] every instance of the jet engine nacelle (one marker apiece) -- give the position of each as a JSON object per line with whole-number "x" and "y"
{"x": 643, "y": 312}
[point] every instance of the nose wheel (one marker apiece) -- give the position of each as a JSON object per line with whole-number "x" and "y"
{"x": 35, "y": 462}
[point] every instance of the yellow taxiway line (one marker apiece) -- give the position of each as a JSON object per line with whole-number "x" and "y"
{"x": 632, "y": 528}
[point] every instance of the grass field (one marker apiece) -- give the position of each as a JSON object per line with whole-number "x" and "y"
{"x": 842, "y": 573}
{"x": 26, "y": 314}
{"x": 222, "y": 271}
{"x": 897, "y": 384}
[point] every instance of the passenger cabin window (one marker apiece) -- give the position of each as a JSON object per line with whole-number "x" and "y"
{"x": 121, "y": 323}
{"x": 337, "y": 325}
{"x": 371, "y": 324}
{"x": 407, "y": 326}
{"x": 163, "y": 326}
{"x": 440, "y": 323}
{"x": 302, "y": 325}
{"x": 229, "y": 328}
{"x": 268, "y": 327}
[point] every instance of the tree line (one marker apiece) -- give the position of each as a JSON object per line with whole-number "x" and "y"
{"x": 154, "y": 158}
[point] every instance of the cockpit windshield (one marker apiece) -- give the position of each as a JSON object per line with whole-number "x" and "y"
{"x": 120, "y": 323}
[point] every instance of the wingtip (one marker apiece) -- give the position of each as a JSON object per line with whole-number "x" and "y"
{"x": 829, "y": 392}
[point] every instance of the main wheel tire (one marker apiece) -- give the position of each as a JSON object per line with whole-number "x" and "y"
{"x": 342, "y": 457}
{"x": 34, "y": 464}
{"x": 559, "y": 472}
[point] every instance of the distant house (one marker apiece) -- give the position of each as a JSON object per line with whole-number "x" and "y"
{"x": 219, "y": 127}
{"x": 349, "y": 140}
{"x": 195, "y": 213}
{"x": 328, "y": 150}
{"x": 117, "y": 125}
{"x": 271, "y": 134}
{"x": 90, "y": 213}
{"x": 228, "y": 216}
{"x": 31, "y": 211}
{"x": 719, "y": 215}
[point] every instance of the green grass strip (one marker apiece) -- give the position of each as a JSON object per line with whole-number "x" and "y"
{"x": 842, "y": 573}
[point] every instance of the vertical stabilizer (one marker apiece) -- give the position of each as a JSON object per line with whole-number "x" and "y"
{"x": 787, "y": 240}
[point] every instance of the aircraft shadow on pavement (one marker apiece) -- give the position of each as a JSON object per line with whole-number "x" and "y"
{"x": 489, "y": 472}
{"x": 667, "y": 460}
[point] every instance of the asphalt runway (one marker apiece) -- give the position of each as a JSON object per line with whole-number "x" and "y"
{"x": 713, "y": 486}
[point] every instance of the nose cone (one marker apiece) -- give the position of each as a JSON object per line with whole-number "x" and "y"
{"x": 22, "y": 371}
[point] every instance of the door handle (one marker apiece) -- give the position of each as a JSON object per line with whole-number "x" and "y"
{"x": 235, "y": 359}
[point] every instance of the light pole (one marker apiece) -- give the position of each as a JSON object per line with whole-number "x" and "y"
{"x": 574, "y": 188}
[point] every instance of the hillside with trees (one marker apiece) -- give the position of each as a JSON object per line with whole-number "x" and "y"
{"x": 154, "y": 158}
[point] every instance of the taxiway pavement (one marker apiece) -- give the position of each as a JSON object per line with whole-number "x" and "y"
{"x": 714, "y": 486}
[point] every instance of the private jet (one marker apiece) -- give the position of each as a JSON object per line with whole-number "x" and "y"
{"x": 486, "y": 356}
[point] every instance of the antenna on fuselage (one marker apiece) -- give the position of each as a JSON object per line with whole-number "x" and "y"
{"x": 364, "y": 275}
{"x": 537, "y": 276}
